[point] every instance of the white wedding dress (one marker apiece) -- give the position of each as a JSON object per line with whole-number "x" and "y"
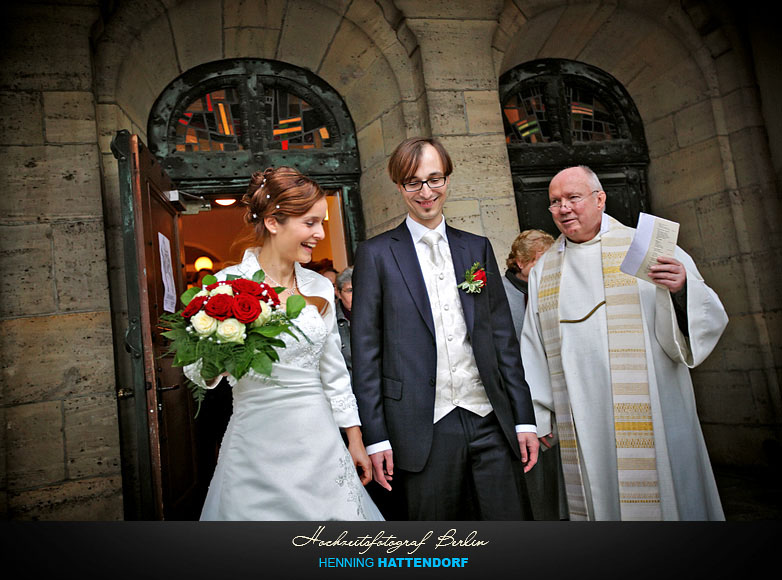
{"x": 282, "y": 455}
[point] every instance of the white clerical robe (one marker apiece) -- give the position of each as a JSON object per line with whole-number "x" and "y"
{"x": 687, "y": 487}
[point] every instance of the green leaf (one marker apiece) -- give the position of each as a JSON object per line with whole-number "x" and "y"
{"x": 198, "y": 395}
{"x": 183, "y": 358}
{"x": 188, "y": 294}
{"x": 268, "y": 330}
{"x": 208, "y": 279}
{"x": 262, "y": 364}
{"x": 294, "y": 305}
{"x": 230, "y": 277}
{"x": 210, "y": 370}
{"x": 259, "y": 276}
{"x": 242, "y": 361}
{"x": 176, "y": 334}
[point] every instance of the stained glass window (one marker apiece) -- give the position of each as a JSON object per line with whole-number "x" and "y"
{"x": 590, "y": 120}
{"x": 526, "y": 114}
{"x": 294, "y": 123}
{"x": 211, "y": 123}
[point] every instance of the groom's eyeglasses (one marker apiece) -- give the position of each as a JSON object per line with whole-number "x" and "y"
{"x": 433, "y": 182}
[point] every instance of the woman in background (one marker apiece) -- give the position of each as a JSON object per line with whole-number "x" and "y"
{"x": 544, "y": 481}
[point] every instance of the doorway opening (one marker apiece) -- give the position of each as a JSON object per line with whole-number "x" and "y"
{"x": 210, "y": 237}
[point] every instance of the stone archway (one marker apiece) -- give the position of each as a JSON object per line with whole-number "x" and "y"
{"x": 363, "y": 50}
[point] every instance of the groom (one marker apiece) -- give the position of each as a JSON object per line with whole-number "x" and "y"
{"x": 446, "y": 413}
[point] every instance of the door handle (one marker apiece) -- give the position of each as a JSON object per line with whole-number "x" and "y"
{"x": 131, "y": 344}
{"x": 161, "y": 388}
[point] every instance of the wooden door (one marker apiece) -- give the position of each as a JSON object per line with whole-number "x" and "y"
{"x": 171, "y": 482}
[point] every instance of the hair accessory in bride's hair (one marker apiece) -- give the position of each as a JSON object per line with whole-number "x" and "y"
{"x": 255, "y": 216}
{"x": 278, "y": 207}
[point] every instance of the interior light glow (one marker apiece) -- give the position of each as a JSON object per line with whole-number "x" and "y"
{"x": 203, "y": 263}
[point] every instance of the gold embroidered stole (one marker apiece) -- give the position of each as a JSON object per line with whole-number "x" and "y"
{"x": 639, "y": 496}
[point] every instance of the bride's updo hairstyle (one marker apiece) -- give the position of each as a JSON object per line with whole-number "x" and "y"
{"x": 280, "y": 193}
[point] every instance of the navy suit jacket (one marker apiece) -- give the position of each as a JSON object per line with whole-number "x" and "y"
{"x": 394, "y": 350}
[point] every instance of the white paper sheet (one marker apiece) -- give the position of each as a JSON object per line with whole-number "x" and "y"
{"x": 654, "y": 237}
{"x": 167, "y": 270}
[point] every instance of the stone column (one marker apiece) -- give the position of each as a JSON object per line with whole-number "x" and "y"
{"x": 59, "y": 448}
{"x": 461, "y": 85}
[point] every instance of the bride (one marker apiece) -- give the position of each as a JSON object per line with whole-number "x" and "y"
{"x": 282, "y": 456}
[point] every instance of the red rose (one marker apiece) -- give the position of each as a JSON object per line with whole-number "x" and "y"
{"x": 194, "y": 306}
{"x": 480, "y": 275}
{"x": 269, "y": 295}
{"x": 244, "y": 286}
{"x": 219, "y": 306}
{"x": 246, "y": 308}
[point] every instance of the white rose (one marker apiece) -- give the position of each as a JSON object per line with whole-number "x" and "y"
{"x": 202, "y": 293}
{"x": 231, "y": 330}
{"x": 222, "y": 289}
{"x": 264, "y": 316}
{"x": 203, "y": 324}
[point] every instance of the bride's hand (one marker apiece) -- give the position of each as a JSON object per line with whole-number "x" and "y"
{"x": 359, "y": 454}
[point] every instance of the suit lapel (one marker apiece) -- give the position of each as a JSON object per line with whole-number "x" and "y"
{"x": 406, "y": 258}
{"x": 462, "y": 261}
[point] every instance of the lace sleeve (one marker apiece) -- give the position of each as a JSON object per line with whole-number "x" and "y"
{"x": 336, "y": 382}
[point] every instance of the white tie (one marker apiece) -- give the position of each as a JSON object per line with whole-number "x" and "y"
{"x": 432, "y": 239}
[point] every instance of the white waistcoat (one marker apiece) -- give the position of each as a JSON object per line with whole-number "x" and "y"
{"x": 458, "y": 382}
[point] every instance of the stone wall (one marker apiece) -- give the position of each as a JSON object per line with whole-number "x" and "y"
{"x": 59, "y": 448}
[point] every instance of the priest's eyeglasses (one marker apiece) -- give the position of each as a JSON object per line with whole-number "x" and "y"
{"x": 433, "y": 182}
{"x": 571, "y": 201}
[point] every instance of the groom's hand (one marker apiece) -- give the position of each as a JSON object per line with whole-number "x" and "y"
{"x": 529, "y": 446}
{"x": 383, "y": 467}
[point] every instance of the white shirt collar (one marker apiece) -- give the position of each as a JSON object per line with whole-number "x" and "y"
{"x": 417, "y": 231}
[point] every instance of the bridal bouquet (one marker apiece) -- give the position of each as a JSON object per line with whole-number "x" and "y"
{"x": 231, "y": 326}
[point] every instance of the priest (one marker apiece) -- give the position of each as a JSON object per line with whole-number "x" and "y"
{"x": 607, "y": 359}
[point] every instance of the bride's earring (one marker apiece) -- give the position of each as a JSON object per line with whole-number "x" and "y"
{"x": 268, "y": 222}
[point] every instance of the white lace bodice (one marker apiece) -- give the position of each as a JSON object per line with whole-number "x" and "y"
{"x": 303, "y": 353}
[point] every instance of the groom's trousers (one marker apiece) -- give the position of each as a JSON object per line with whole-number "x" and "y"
{"x": 471, "y": 474}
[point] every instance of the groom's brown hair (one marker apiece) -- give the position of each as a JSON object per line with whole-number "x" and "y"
{"x": 405, "y": 158}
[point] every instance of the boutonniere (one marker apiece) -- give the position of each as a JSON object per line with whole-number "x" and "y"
{"x": 474, "y": 279}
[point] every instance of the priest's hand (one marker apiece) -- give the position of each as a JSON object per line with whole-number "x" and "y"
{"x": 383, "y": 467}
{"x": 545, "y": 439}
{"x": 670, "y": 273}
{"x": 529, "y": 446}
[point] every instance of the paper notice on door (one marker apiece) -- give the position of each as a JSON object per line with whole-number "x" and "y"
{"x": 654, "y": 237}
{"x": 167, "y": 271}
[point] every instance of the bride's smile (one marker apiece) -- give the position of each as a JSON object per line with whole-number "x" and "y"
{"x": 296, "y": 239}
